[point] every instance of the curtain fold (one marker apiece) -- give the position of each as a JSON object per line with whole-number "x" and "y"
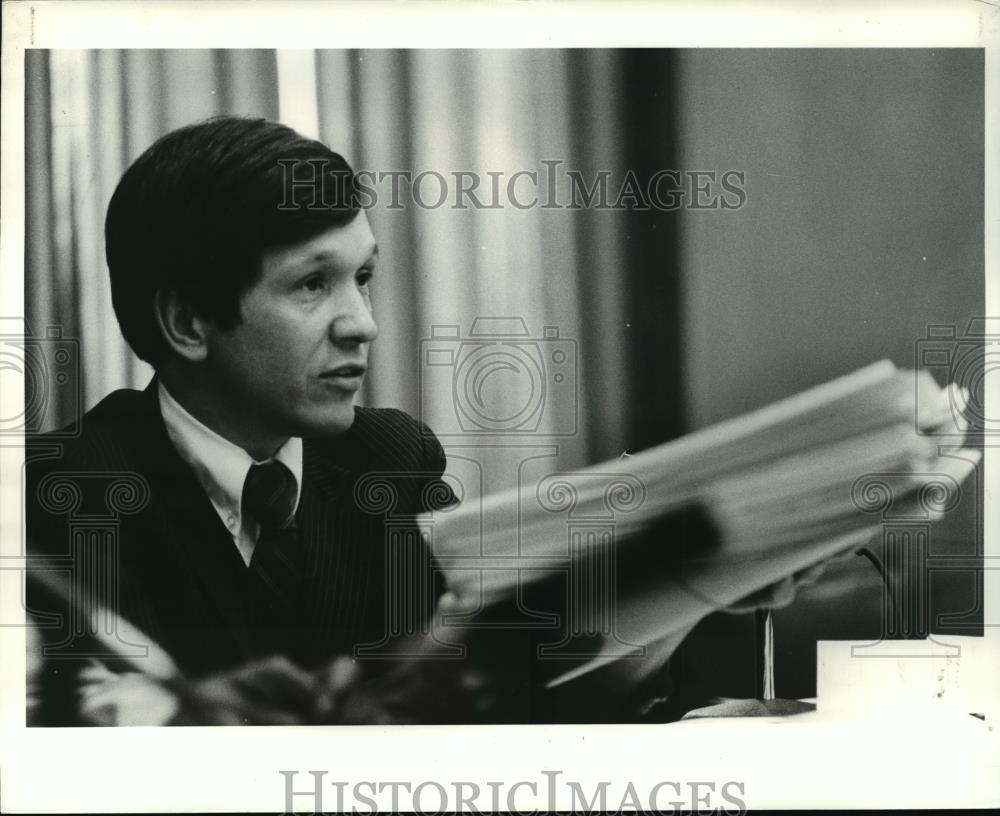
{"x": 488, "y": 116}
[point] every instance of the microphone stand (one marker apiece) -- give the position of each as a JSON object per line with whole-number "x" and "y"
{"x": 764, "y": 703}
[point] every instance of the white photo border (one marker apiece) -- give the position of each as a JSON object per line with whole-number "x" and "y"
{"x": 225, "y": 769}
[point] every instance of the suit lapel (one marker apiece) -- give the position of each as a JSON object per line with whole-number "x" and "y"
{"x": 191, "y": 533}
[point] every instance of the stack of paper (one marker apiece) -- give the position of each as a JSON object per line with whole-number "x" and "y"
{"x": 786, "y": 487}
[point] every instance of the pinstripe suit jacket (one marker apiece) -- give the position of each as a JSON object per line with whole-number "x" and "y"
{"x": 121, "y": 507}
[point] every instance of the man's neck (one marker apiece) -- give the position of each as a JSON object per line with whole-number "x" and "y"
{"x": 197, "y": 399}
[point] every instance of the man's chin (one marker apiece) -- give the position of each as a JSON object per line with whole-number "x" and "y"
{"x": 330, "y": 423}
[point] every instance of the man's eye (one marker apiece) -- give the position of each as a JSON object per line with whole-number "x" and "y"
{"x": 364, "y": 277}
{"x": 314, "y": 283}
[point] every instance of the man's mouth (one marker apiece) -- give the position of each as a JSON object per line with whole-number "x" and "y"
{"x": 346, "y": 376}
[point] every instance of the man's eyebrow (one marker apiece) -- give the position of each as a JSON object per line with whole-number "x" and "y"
{"x": 323, "y": 256}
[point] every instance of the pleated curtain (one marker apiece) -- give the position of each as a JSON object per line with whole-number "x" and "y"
{"x": 561, "y": 271}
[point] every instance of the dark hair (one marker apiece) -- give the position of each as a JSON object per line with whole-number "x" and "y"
{"x": 195, "y": 211}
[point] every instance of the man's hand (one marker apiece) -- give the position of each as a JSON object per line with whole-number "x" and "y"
{"x": 782, "y": 593}
{"x": 421, "y": 689}
{"x": 414, "y": 691}
{"x": 273, "y": 691}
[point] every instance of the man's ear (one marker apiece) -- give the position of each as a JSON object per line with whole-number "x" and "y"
{"x": 182, "y": 328}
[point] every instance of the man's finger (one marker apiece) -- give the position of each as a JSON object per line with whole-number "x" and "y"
{"x": 277, "y": 680}
{"x": 332, "y": 684}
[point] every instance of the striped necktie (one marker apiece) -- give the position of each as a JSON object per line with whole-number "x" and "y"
{"x": 275, "y": 574}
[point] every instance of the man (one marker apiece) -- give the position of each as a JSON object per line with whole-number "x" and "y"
{"x": 222, "y": 510}
{"x": 250, "y": 295}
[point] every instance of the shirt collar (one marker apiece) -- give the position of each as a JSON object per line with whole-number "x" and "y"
{"x": 220, "y": 466}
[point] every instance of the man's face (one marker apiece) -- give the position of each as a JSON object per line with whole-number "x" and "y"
{"x": 295, "y": 362}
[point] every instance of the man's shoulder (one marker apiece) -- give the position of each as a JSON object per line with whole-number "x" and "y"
{"x": 102, "y": 457}
{"x": 122, "y": 430}
{"x": 385, "y": 439}
{"x": 120, "y": 421}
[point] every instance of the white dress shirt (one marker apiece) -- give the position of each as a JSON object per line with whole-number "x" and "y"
{"x": 221, "y": 468}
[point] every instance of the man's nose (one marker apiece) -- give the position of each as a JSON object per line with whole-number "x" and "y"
{"x": 354, "y": 323}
